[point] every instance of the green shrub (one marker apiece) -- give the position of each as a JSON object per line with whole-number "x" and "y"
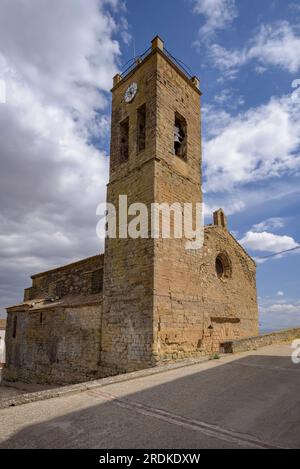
{"x": 214, "y": 356}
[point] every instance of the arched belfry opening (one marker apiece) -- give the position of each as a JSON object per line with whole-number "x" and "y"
{"x": 180, "y": 136}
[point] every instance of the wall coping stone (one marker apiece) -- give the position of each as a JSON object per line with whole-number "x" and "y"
{"x": 254, "y": 342}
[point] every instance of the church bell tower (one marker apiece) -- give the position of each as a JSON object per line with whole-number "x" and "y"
{"x": 150, "y": 283}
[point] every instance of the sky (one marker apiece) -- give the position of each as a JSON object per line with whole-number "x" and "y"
{"x": 57, "y": 60}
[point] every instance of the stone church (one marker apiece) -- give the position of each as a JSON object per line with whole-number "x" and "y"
{"x": 144, "y": 301}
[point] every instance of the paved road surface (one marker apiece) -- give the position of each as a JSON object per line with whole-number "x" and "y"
{"x": 248, "y": 400}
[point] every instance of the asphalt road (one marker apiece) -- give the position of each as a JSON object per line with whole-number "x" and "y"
{"x": 249, "y": 400}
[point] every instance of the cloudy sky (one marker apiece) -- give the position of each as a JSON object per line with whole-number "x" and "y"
{"x": 57, "y": 59}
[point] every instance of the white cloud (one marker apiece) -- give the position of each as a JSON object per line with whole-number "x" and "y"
{"x": 223, "y": 96}
{"x": 57, "y": 60}
{"x": 268, "y": 242}
{"x": 269, "y": 223}
{"x": 260, "y": 69}
{"x": 218, "y": 14}
{"x": 260, "y": 144}
{"x": 284, "y": 308}
{"x": 227, "y": 96}
{"x": 228, "y": 61}
{"x": 215, "y": 120}
{"x": 275, "y": 44}
{"x": 294, "y": 6}
{"x": 279, "y": 314}
{"x": 230, "y": 206}
{"x": 280, "y": 293}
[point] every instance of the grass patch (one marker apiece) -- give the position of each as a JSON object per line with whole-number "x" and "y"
{"x": 214, "y": 356}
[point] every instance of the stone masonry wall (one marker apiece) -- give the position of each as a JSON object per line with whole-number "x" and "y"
{"x": 194, "y": 309}
{"x": 192, "y": 323}
{"x": 57, "y": 344}
{"x": 177, "y": 322}
{"x": 54, "y": 335}
{"x": 128, "y": 274}
{"x": 77, "y": 278}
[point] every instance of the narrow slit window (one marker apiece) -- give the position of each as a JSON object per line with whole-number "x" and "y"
{"x": 180, "y": 136}
{"x": 97, "y": 281}
{"x": 60, "y": 289}
{"x": 124, "y": 140}
{"x": 141, "y": 128}
{"x": 15, "y": 324}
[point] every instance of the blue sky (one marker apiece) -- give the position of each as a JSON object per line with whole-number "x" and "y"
{"x": 58, "y": 58}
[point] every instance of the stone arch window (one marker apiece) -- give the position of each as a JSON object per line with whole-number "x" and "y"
{"x": 223, "y": 266}
{"x": 180, "y": 136}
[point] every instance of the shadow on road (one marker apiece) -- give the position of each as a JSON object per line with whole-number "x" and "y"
{"x": 255, "y": 398}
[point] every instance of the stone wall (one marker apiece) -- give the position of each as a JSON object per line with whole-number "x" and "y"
{"x": 128, "y": 274}
{"x": 193, "y": 309}
{"x": 56, "y": 343}
{"x": 54, "y": 335}
{"x": 177, "y": 295}
{"x": 205, "y": 310}
{"x": 252, "y": 343}
{"x": 83, "y": 277}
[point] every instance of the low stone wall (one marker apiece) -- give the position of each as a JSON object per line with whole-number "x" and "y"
{"x": 252, "y": 343}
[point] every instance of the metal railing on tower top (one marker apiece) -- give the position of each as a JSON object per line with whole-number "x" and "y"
{"x": 139, "y": 58}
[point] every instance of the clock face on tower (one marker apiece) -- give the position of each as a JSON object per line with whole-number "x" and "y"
{"x": 130, "y": 92}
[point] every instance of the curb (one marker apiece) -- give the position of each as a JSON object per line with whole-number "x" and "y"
{"x": 87, "y": 385}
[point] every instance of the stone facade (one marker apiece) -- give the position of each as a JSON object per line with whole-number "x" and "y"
{"x": 54, "y": 335}
{"x": 82, "y": 278}
{"x": 160, "y": 301}
{"x": 207, "y": 309}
